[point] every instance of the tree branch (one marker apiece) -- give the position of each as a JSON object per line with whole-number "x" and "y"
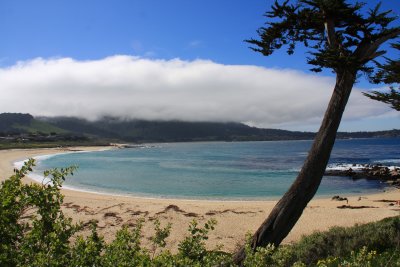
{"x": 395, "y": 33}
{"x": 330, "y": 31}
{"x": 376, "y": 54}
{"x": 367, "y": 50}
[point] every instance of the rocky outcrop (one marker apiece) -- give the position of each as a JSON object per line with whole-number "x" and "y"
{"x": 371, "y": 172}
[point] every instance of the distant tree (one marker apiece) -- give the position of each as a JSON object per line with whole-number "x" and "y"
{"x": 388, "y": 73}
{"x": 342, "y": 38}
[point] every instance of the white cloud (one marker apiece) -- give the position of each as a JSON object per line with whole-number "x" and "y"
{"x": 199, "y": 90}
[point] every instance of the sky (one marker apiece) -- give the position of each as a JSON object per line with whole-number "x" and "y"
{"x": 157, "y": 59}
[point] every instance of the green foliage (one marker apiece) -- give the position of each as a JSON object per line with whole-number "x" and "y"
{"x": 37, "y": 126}
{"x": 171, "y": 131}
{"x": 87, "y": 251}
{"x": 56, "y": 144}
{"x": 8, "y": 119}
{"x": 158, "y": 240}
{"x": 193, "y": 246}
{"x": 363, "y": 258}
{"x": 260, "y": 257}
{"x": 340, "y": 241}
{"x": 35, "y": 232}
{"x": 125, "y": 250}
{"x": 33, "y": 229}
{"x": 192, "y": 250}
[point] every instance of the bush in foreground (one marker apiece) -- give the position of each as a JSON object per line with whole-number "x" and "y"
{"x": 35, "y": 232}
{"x": 341, "y": 241}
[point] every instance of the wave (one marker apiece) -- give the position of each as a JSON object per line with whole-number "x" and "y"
{"x": 19, "y": 164}
{"x": 44, "y": 157}
{"x": 354, "y": 167}
{"x": 344, "y": 166}
{"x": 143, "y": 146}
{"x": 34, "y": 176}
{"x": 40, "y": 177}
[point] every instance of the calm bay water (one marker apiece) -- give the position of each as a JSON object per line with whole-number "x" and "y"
{"x": 218, "y": 170}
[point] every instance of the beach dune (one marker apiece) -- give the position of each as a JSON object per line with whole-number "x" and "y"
{"x": 235, "y": 218}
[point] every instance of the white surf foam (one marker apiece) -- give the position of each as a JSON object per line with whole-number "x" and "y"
{"x": 354, "y": 167}
{"x": 344, "y": 166}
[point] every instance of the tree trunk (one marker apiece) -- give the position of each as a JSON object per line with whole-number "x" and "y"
{"x": 289, "y": 209}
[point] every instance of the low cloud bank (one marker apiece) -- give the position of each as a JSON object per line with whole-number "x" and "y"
{"x": 200, "y": 90}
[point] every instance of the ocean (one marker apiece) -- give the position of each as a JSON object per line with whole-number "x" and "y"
{"x": 218, "y": 170}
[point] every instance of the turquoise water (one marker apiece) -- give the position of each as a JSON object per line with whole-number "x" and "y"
{"x": 218, "y": 170}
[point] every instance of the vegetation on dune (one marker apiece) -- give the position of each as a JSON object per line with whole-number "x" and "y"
{"x": 35, "y": 232}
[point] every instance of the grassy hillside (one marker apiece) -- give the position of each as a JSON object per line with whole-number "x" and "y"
{"x": 172, "y": 131}
{"x": 26, "y": 123}
{"x": 24, "y": 131}
{"x": 117, "y": 130}
{"x": 36, "y": 126}
{"x": 180, "y": 131}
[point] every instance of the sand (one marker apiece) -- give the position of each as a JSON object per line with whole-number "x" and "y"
{"x": 235, "y": 218}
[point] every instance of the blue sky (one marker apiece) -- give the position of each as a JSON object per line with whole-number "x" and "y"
{"x": 160, "y": 29}
{"x": 156, "y": 30}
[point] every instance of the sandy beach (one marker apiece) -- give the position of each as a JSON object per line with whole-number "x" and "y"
{"x": 235, "y": 218}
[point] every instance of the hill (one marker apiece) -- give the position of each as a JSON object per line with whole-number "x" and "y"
{"x": 172, "y": 131}
{"x": 110, "y": 129}
{"x": 19, "y": 130}
{"x": 180, "y": 131}
{"x": 25, "y": 123}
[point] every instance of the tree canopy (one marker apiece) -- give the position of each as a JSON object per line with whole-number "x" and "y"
{"x": 337, "y": 33}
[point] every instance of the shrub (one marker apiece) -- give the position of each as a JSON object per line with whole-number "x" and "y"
{"x": 35, "y": 232}
{"x": 33, "y": 229}
{"x": 340, "y": 241}
{"x": 363, "y": 258}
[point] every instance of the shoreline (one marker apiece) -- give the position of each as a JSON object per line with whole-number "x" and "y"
{"x": 84, "y": 149}
{"x": 235, "y": 217}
